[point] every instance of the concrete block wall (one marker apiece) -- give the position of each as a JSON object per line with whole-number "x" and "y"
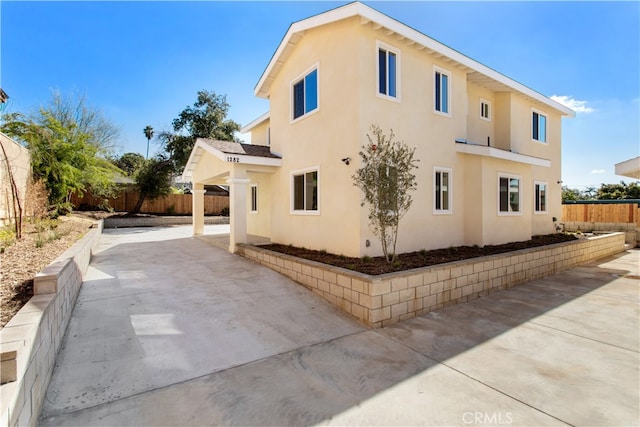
{"x": 630, "y": 229}
{"x": 386, "y": 299}
{"x": 30, "y": 341}
{"x": 160, "y": 221}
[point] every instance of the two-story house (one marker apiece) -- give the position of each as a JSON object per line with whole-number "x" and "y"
{"x": 488, "y": 146}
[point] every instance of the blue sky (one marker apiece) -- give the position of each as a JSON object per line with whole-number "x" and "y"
{"x": 142, "y": 63}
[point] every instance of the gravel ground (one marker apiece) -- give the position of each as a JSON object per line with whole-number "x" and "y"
{"x": 21, "y": 261}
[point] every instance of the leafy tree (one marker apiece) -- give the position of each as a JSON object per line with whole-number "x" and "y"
{"x": 618, "y": 191}
{"x": 572, "y": 194}
{"x": 129, "y": 163}
{"x": 74, "y": 113}
{"x": 207, "y": 118}
{"x": 69, "y": 142}
{"x": 385, "y": 178}
{"x": 153, "y": 179}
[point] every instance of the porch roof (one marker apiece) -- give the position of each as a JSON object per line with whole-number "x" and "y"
{"x": 230, "y": 152}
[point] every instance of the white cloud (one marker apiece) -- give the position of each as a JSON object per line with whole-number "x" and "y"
{"x": 574, "y": 104}
{"x": 598, "y": 171}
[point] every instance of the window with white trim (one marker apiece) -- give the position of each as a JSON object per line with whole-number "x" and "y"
{"x": 540, "y": 191}
{"x": 388, "y": 71}
{"x": 508, "y": 194}
{"x": 304, "y": 195}
{"x": 485, "y": 110}
{"x": 305, "y": 94}
{"x": 442, "y": 89}
{"x": 538, "y": 126}
{"x": 254, "y": 198}
{"x": 442, "y": 181}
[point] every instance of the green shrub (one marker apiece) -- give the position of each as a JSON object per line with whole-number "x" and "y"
{"x": 7, "y": 238}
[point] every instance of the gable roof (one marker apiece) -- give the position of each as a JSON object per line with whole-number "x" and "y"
{"x": 476, "y": 71}
{"x": 242, "y": 154}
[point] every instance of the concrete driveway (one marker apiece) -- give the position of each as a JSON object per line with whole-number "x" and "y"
{"x": 168, "y": 330}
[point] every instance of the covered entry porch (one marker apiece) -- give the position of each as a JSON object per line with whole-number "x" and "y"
{"x": 246, "y": 169}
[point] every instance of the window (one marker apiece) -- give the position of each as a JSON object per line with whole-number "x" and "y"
{"x": 388, "y": 67}
{"x": 305, "y": 191}
{"x": 509, "y": 194}
{"x": 442, "y": 89}
{"x": 442, "y": 191}
{"x": 254, "y": 198}
{"x": 305, "y": 94}
{"x": 539, "y": 127}
{"x": 485, "y": 110}
{"x": 541, "y": 197}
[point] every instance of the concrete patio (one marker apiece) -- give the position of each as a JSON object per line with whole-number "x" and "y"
{"x": 169, "y": 330}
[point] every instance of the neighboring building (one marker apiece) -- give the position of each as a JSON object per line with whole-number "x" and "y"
{"x": 19, "y": 159}
{"x": 489, "y": 147}
{"x": 629, "y": 168}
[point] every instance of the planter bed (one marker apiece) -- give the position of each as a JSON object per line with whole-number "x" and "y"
{"x": 392, "y": 297}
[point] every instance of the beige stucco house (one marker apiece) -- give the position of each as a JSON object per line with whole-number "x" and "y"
{"x": 488, "y": 146}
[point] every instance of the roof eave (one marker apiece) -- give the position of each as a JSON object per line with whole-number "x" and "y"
{"x": 247, "y": 128}
{"x": 371, "y": 15}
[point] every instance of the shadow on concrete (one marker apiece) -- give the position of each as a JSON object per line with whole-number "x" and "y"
{"x": 260, "y": 350}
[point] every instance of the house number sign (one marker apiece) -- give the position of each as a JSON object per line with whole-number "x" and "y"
{"x": 233, "y": 159}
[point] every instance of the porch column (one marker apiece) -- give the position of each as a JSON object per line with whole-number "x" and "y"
{"x": 197, "y": 213}
{"x": 238, "y": 209}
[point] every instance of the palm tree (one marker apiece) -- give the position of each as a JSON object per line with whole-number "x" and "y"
{"x": 148, "y": 132}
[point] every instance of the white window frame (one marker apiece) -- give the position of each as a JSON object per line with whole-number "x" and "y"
{"x": 449, "y": 171}
{"x": 292, "y": 191}
{"x": 251, "y": 210}
{"x": 293, "y": 82}
{"x": 398, "y": 53}
{"x": 488, "y": 104}
{"x": 440, "y": 70}
{"x": 546, "y": 127}
{"x": 520, "y": 198}
{"x": 535, "y": 197}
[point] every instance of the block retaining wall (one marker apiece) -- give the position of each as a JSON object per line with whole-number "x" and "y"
{"x": 386, "y": 299}
{"x": 160, "y": 221}
{"x": 30, "y": 341}
{"x": 630, "y": 229}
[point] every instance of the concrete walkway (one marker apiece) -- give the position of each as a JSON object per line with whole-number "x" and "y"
{"x": 168, "y": 330}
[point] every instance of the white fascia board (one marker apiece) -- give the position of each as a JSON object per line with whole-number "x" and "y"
{"x": 629, "y": 168}
{"x": 369, "y": 14}
{"x": 240, "y": 158}
{"x": 247, "y": 128}
{"x": 481, "y": 150}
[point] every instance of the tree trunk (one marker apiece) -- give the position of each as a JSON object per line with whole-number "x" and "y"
{"x": 15, "y": 195}
{"x": 138, "y": 206}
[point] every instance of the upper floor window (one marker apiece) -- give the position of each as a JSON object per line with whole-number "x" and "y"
{"x": 254, "y": 198}
{"x": 485, "y": 109}
{"x": 541, "y": 197}
{"x": 539, "y": 127}
{"x": 305, "y": 94}
{"x": 388, "y": 71}
{"x": 508, "y": 194}
{"x": 305, "y": 191}
{"x": 442, "y": 191}
{"x": 442, "y": 90}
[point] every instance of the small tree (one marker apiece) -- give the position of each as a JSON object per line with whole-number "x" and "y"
{"x": 153, "y": 180}
{"x": 385, "y": 178}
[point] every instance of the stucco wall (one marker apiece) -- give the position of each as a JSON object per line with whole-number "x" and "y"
{"x": 320, "y": 139}
{"x": 19, "y": 159}
{"x": 345, "y": 53}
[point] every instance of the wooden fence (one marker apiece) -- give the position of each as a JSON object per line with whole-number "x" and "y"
{"x": 172, "y": 204}
{"x": 607, "y": 213}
